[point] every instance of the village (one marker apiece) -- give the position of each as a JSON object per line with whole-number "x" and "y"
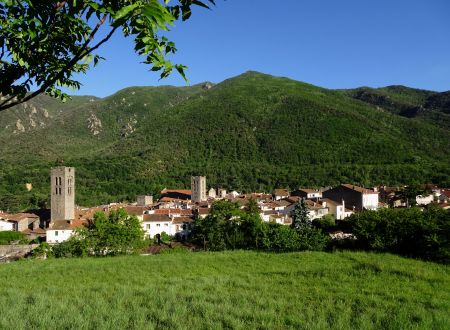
{"x": 174, "y": 212}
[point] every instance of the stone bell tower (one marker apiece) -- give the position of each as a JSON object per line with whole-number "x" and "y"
{"x": 198, "y": 186}
{"x": 62, "y": 193}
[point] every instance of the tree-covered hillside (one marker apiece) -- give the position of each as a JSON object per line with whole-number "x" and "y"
{"x": 251, "y": 132}
{"x": 424, "y": 105}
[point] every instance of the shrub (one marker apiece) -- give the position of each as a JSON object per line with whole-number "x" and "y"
{"x": 411, "y": 232}
{"x": 279, "y": 238}
{"x": 312, "y": 239}
{"x": 74, "y": 247}
{"x": 164, "y": 238}
{"x": 44, "y": 250}
{"x": 8, "y": 236}
{"x": 326, "y": 222}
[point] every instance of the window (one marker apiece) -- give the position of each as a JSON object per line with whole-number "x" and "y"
{"x": 56, "y": 180}
{"x": 56, "y": 233}
{"x": 60, "y": 190}
{"x": 59, "y": 180}
{"x": 166, "y": 224}
{"x": 148, "y": 226}
{"x": 158, "y": 225}
{"x": 56, "y": 190}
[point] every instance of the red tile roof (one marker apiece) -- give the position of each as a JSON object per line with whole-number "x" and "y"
{"x": 156, "y": 218}
{"x": 180, "y": 220}
{"x": 203, "y": 210}
{"x": 37, "y": 231}
{"x": 174, "y": 211}
{"x": 179, "y": 191}
{"x": 170, "y": 199}
{"x": 281, "y": 192}
{"x": 446, "y": 192}
{"x": 67, "y": 225}
{"x": 135, "y": 210}
{"x": 359, "y": 189}
{"x": 309, "y": 190}
{"x": 19, "y": 216}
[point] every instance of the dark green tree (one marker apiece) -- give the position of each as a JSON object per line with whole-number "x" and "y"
{"x": 252, "y": 206}
{"x": 409, "y": 194}
{"x": 300, "y": 217}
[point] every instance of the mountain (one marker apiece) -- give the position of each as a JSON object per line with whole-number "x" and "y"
{"x": 425, "y": 105}
{"x": 250, "y": 132}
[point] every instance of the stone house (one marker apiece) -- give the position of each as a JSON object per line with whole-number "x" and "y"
{"x": 355, "y": 198}
{"x": 307, "y": 193}
{"x": 280, "y": 194}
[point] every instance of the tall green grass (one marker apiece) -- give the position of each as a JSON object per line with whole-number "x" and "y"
{"x": 231, "y": 290}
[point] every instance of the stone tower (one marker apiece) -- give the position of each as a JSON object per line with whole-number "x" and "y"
{"x": 198, "y": 186}
{"x": 62, "y": 193}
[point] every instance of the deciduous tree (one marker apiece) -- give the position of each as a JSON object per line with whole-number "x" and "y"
{"x": 44, "y": 43}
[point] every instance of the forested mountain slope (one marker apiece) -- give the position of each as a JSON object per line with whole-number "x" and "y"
{"x": 251, "y": 132}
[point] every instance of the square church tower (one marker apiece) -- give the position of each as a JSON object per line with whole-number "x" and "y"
{"x": 62, "y": 193}
{"x": 198, "y": 187}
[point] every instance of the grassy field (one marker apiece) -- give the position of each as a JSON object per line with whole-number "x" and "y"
{"x": 232, "y": 290}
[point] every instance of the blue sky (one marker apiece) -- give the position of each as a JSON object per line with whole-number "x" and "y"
{"x": 329, "y": 43}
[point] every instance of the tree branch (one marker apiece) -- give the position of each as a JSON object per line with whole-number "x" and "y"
{"x": 81, "y": 53}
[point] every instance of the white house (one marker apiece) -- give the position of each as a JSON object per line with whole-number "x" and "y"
{"x": 338, "y": 210}
{"x": 61, "y": 230}
{"x": 156, "y": 224}
{"x": 172, "y": 225}
{"x": 316, "y": 210}
{"x": 307, "y": 193}
{"x": 356, "y": 198}
{"x": 6, "y": 225}
{"x": 280, "y": 194}
{"x": 266, "y": 215}
{"x": 424, "y": 200}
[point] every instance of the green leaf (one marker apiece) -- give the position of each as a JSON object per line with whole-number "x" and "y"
{"x": 124, "y": 13}
{"x": 181, "y": 70}
{"x": 201, "y": 4}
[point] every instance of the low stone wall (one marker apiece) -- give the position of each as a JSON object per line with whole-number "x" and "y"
{"x": 12, "y": 251}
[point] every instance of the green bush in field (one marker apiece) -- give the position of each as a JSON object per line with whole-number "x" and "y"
{"x": 113, "y": 234}
{"x": 326, "y": 222}
{"x": 164, "y": 238}
{"x": 312, "y": 239}
{"x": 73, "y": 247}
{"x": 7, "y": 236}
{"x": 411, "y": 232}
{"x": 44, "y": 250}
{"x": 279, "y": 238}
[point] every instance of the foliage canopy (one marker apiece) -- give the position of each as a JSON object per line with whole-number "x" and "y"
{"x": 112, "y": 234}
{"x": 44, "y": 43}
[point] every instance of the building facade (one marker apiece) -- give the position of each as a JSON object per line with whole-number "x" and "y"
{"x": 356, "y": 198}
{"x": 144, "y": 200}
{"x": 62, "y": 193}
{"x": 198, "y": 187}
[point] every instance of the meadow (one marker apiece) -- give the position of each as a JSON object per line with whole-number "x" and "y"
{"x": 226, "y": 290}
